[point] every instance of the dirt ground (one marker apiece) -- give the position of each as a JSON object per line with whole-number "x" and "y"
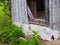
{"x": 54, "y": 42}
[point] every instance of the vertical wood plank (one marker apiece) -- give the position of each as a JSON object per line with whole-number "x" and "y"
{"x": 54, "y": 10}
{"x": 50, "y": 12}
{"x": 46, "y": 2}
{"x": 33, "y": 8}
{"x": 24, "y": 10}
{"x": 30, "y": 13}
{"x": 19, "y": 11}
{"x": 14, "y": 10}
{"x": 19, "y": 14}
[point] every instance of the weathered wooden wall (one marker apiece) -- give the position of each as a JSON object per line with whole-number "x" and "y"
{"x": 19, "y": 15}
{"x": 19, "y": 11}
{"x": 46, "y": 2}
{"x": 54, "y": 10}
{"x": 14, "y": 10}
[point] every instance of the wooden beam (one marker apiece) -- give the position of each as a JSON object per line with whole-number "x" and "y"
{"x": 54, "y": 10}
{"x": 33, "y": 8}
{"x": 46, "y": 2}
{"x": 30, "y": 13}
{"x": 19, "y": 11}
{"x": 14, "y": 10}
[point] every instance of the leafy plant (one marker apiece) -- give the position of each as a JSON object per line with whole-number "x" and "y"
{"x": 1, "y": 13}
{"x": 5, "y": 13}
{"x": 35, "y": 40}
{"x": 12, "y": 33}
{"x": 9, "y": 33}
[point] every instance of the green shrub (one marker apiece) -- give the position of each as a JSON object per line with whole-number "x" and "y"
{"x": 1, "y": 13}
{"x": 12, "y": 33}
{"x": 9, "y": 33}
{"x": 35, "y": 40}
{"x": 5, "y": 21}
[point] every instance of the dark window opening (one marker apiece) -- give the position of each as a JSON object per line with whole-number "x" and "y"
{"x": 39, "y": 11}
{"x": 40, "y": 5}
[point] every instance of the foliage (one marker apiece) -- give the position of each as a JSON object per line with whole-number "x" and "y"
{"x": 5, "y": 20}
{"x": 11, "y": 34}
{"x": 1, "y": 13}
{"x": 6, "y": 5}
{"x": 35, "y": 40}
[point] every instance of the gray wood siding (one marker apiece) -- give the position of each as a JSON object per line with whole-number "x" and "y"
{"x": 19, "y": 11}
{"x": 54, "y": 8}
{"x": 46, "y": 2}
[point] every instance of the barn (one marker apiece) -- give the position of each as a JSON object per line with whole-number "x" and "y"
{"x": 40, "y": 12}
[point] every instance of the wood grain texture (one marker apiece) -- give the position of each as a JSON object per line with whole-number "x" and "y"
{"x": 54, "y": 10}
{"x": 19, "y": 11}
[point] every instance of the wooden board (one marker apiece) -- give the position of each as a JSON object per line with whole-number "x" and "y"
{"x": 54, "y": 10}
{"x": 33, "y": 8}
{"x": 19, "y": 11}
{"x": 46, "y": 2}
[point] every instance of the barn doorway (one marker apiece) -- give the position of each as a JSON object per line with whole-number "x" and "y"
{"x": 38, "y": 6}
{"x": 43, "y": 10}
{"x": 39, "y": 9}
